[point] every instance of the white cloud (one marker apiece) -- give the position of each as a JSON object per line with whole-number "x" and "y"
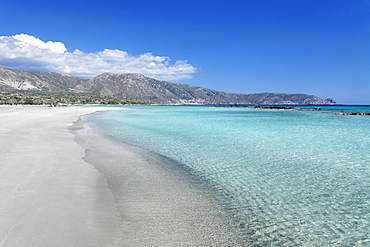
{"x": 29, "y": 40}
{"x": 26, "y": 52}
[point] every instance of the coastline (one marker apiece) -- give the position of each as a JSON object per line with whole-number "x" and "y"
{"x": 49, "y": 195}
{"x": 160, "y": 204}
{"x": 64, "y": 183}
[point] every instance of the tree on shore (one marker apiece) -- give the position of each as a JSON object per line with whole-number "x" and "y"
{"x": 29, "y": 101}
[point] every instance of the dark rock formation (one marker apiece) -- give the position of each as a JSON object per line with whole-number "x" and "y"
{"x": 354, "y": 113}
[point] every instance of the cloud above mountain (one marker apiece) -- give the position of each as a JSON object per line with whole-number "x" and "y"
{"x": 26, "y": 52}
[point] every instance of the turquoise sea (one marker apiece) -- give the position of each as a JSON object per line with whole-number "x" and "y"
{"x": 284, "y": 178}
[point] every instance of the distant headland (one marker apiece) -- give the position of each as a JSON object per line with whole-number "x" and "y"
{"x": 140, "y": 89}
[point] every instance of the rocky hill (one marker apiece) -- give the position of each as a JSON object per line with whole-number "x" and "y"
{"x": 137, "y": 86}
{"x": 14, "y": 80}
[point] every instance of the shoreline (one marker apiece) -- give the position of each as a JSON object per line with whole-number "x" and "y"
{"x": 64, "y": 183}
{"x": 160, "y": 204}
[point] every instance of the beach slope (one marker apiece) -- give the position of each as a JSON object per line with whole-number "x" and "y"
{"x": 49, "y": 195}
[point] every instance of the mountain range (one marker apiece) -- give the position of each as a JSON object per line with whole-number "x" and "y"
{"x": 137, "y": 86}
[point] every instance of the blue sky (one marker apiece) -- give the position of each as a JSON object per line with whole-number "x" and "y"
{"x": 291, "y": 46}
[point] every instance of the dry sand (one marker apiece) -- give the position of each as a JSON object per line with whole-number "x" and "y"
{"x": 49, "y": 196}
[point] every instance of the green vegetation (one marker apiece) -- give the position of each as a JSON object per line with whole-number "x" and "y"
{"x": 69, "y": 99}
{"x": 29, "y": 102}
{"x": 112, "y": 102}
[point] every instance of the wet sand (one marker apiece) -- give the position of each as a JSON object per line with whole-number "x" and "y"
{"x": 160, "y": 204}
{"x": 70, "y": 185}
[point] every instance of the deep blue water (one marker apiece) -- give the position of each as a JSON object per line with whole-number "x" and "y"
{"x": 285, "y": 178}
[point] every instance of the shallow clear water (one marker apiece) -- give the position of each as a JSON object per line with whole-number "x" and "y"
{"x": 285, "y": 178}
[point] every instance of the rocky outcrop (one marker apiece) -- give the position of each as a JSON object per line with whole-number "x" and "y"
{"x": 354, "y": 113}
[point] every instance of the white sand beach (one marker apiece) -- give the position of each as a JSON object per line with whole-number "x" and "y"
{"x": 49, "y": 196}
{"x": 53, "y": 191}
